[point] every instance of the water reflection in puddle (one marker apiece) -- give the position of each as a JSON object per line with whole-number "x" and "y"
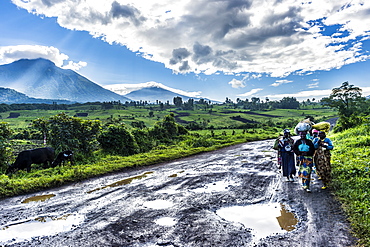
{"x": 40, "y": 226}
{"x": 214, "y": 187}
{"x": 122, "y": 182}
{"x": 166, "y": 221}
{"x": 158, "y": 204}
{"x": 264, "y": 219}
{"x": 40, "y": 198}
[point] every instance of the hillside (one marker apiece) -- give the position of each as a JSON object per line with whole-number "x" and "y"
{"x": 10, "y": 96}
{"x": 40, "y": 78}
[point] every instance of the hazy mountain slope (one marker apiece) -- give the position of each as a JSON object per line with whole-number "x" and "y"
{"x": 40, "y": 78}
{"x": 10, "y": 96}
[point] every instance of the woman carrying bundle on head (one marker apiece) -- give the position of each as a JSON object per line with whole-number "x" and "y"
{"x": 322, "y": 157}
{"x": 284, "y": 146}
{"x": 304, "y": 149}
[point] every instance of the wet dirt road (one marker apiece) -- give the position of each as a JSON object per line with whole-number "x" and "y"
{"x": 231, "y": 197}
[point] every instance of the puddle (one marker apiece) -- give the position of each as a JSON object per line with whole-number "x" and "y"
{"x": 40, "y": 198}
{"x": 40, "y": 226}
{"x": 158, "y": 204}
{"x": 121, "y": 182}
{"x": 166, "y": 221}
{"x": 214, "y": 187}
{"x": 263, "y": 219}
{"x": 176, "y": 174}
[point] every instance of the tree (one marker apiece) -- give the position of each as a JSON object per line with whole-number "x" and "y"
{"x": 177, "y": 101}
{"x": 347, "y": 100}
{"x": 64, "y": 132}
{"x": 5, "y": 152}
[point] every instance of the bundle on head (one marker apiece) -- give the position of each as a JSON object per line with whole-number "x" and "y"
{"x": 304, "y": 125}
{"x": 322, "y": 126}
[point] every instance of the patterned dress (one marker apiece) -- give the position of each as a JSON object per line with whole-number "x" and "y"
{"x": 322, "y": 159}
{"x": 304, "y": 149}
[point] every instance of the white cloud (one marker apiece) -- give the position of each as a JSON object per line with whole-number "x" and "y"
{"x": 237, "y": 83}
{"x": 279, "y": 82}
{"x": 273, "y": 37}
{"x": 313, "y": 85}
{"x": 303, "y": 95}
{"x": 250, "y": 93}
{"x": 124, "y": 89}
{"x": 9, "y": 54}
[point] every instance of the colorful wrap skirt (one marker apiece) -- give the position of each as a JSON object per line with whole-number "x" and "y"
{"x": 305, "y": 169}
{"x": 322, "y": 161}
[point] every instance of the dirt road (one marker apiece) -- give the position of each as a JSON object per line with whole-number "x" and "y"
{"x": 230, "y": 197}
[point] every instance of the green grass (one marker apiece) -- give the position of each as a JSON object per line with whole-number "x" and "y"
{"x": 217, "y": 118}
{"x": 351, "y": 178}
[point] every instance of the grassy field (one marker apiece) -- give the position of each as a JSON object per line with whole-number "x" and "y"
{"x": 220, "y": 117}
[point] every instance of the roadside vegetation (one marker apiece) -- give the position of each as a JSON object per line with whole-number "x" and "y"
{"x": 351, "y": 177}
{"x": 111, "y": 136}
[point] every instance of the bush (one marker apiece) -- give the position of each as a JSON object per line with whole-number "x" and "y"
{"x": 116, "y": 139}
{"x": 143, "y": 139}
{"x": 167, "y": 130}
{"x": 69, "y": 133}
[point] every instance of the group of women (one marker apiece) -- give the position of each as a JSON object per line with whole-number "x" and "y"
{"x": 311, "y": 150}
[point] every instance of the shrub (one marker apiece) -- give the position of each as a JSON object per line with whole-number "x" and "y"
{"x": 116, "y": 139}
{"x": 143, "y": 139}
{"x": 64, "y": 132}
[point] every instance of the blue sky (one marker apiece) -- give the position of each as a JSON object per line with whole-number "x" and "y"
{"x": 212, "y": 49}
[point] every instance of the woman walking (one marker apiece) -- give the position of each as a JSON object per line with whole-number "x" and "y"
{"x": 285, "y": 150}
{"x": 304, "y": 149}
{"x": 322, "y": 157}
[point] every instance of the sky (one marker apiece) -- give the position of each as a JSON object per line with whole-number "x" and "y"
{"x": 215, "y": 49}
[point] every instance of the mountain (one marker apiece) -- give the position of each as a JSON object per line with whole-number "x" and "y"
{"x": 10, "y": 96}
{"x": 40, "y": 78}
{"x": 151, "y": 92}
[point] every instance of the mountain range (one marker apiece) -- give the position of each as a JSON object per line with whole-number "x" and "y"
{"x": 152, "y": 92}
{"x": 40, "y": 78}
{"x": 40, "y": 81}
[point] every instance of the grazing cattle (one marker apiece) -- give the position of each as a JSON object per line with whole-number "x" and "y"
{"x": 63, "y": 156}
{"x": 33, "y": 156}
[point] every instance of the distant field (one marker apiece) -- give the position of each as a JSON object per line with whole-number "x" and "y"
{"x": 219, "y": 118}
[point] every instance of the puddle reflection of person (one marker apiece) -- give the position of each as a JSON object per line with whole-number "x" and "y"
{"x": 304, "y": 149}
{"x": 284, "y": 146}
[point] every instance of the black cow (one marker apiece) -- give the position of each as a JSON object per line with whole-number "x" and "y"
{"x": 63, "y": 156}
{"x": 33, "y": 156}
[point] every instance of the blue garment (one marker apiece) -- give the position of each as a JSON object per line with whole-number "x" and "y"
{"x": 287, "y": 156}
{"x": 329, "y": 143}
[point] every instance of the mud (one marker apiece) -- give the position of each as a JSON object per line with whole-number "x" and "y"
{"x": 231, "y": 197}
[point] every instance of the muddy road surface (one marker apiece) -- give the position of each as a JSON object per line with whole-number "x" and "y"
{"x": 231, "y": 197}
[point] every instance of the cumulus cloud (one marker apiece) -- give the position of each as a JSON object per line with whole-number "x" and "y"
{"x": 237, "y": 83}
{"x": 277, "y": 38}
{"x": 9, "y": 54}
{"x": 279, "y": 82}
